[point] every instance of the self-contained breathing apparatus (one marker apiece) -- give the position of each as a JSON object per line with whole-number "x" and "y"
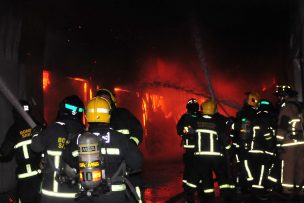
{"x": 92, "y": 176}
{"x": 245, "y": 132}
{"x": 91, "y": 164}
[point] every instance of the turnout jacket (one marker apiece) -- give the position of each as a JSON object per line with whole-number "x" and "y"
{"x": 182, "y": 128}
{"x": 17, "y": 143}
{"x": 123, "y": 121}
{"x": 263, "y": 136}
{"x": 115, "y": 148}
{"x": 211, "y": 135}
{"x": 290, "y": 129}
{"x": 51, "y": 142}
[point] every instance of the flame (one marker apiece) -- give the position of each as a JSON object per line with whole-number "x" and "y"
{"x": 91, "y": 94}
{"x": 117, "y": 89}
{"x": 78, "y": 79}
{"x": 145, "y": 115}
{"x": 46, "y": 79}
{"x": 85, "y": 87}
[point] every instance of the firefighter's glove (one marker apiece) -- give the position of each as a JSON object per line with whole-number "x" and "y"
{"x": 42, "y": 163}
{"x": 188, "y": 130}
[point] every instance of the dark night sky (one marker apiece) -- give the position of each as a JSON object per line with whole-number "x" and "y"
{"x": 238, "y": 36}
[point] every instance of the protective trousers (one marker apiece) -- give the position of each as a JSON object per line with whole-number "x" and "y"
{"x": 28, "y": 189}
{"x": 50, "y": 199}
{"x": 189, "y": 169}
{"x": 110, "y": 197}
{"x": 203, "y": 177}
{"x": 293, "y": 167}
{"x": 258, "y": 168}
{"x": 137, "y": 181}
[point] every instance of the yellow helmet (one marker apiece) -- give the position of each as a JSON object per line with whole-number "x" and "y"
{"x": 98, "y": 110}
{"x": 253, "y": 99}
{"x": 208, "y": 107}
{"x": 108, "y": 95}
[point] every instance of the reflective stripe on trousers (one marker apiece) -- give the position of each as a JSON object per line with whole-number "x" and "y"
{"x": 58, "y": 194}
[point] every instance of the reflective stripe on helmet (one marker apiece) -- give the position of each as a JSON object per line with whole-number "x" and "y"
{"x": 99, "y": 110}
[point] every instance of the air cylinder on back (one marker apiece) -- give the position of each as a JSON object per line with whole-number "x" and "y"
{"x": 90, "y": 162}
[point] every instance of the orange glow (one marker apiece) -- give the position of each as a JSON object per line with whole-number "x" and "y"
{"x": 117, "y": 89}
{"x": 81, "y": 176}
{"x": 264, "y": 88}
{"x": 85, "y": 87}
{"x": 96, "y": 175}
{"x": 145, "y": 115}
{"x": 78, "y": 79}
{"x": 46, "y": 79}
{"x": 91, "y": 94}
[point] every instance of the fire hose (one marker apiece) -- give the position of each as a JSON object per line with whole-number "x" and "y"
{"x": 15, "y": 103}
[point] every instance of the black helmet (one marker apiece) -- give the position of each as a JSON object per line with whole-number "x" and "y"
{"x": 192, "y": 105}
{"x": 265, "y": 105}
{"x": 108, "y": 95}
{"x": 71, "y": 107}
{"x": 285, "y": 90}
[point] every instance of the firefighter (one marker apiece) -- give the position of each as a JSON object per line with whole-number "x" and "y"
{"x": 56, "y": 186}
{"x": 290, "y": 140}
{"x": 17, "y": 143}
{"x": 185, "y": 131}
{"x": 211, "y": 144}
{"x": 242, "y": 134}
{"x": 262, "y": 148}
{"x": 116, "y": 150}
{"x": 123, "y": 121}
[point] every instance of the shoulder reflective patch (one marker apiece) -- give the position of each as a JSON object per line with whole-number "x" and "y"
{"x": 135, "y": 140}
{"x": 106, "y": 137}
{"x": 75, "y": 153}
{"x": 20, "y": 144}
{"x": 124, "y": 131}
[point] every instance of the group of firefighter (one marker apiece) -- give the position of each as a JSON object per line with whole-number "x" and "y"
{"x": 66, "y": 161}
{"x": 256, "y": 156}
